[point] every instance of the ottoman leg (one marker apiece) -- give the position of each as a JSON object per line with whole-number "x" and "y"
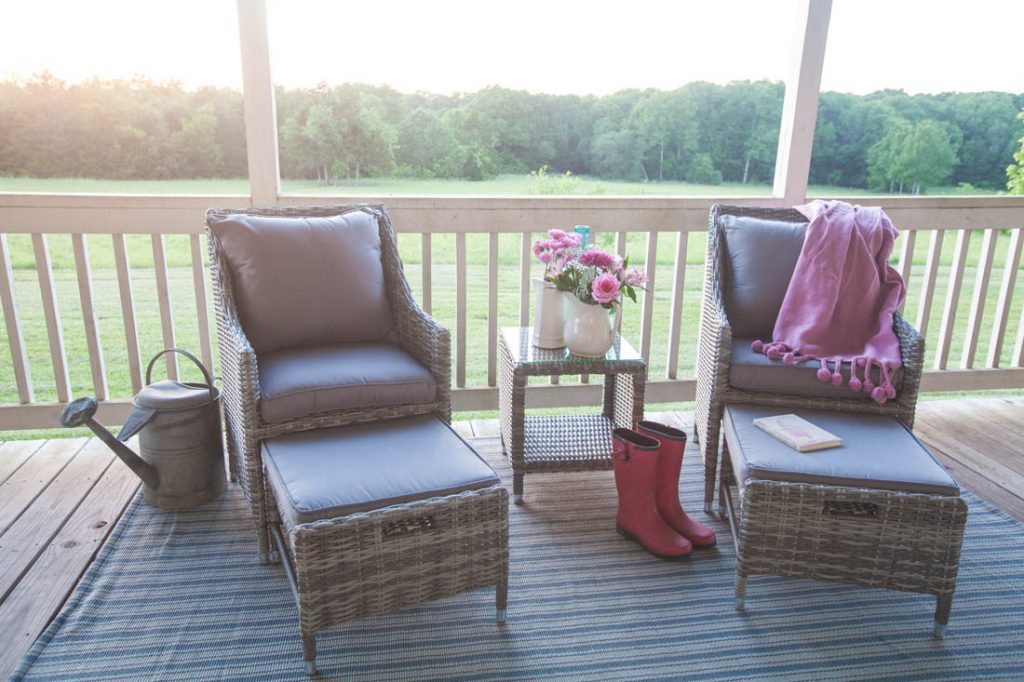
{"x": 741, "y": 591}
{"x": 942, "y": 608}
{"x": 309, "y": 653}
{"x": 501, "y": 599}
{"x": 517, "y": 488}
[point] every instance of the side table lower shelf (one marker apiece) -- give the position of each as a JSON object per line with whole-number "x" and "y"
{"x": 562, "y": 443}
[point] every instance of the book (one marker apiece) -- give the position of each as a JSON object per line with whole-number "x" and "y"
{"x": 798, "y": 433}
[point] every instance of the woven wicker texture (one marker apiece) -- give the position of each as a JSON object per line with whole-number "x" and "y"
{"x": 416, "y": 332}
{"x": 877, "y": 538}
{"x": 564, "y": 443}
{"x": 715, "y": 348}
{"x": 366, "y": 564}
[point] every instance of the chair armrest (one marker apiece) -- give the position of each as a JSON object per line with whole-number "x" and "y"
{"x": 912, "y": 356}
{"x": 422, "y": 337}
{"x": 715, "y": 343}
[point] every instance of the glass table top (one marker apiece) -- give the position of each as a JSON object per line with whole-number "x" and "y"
{"x": 520, "y": 343}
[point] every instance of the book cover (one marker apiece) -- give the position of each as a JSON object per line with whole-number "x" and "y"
{"x": 798, "y": 433}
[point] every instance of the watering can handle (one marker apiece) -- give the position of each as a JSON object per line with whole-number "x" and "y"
{"x": 202, "y": 368}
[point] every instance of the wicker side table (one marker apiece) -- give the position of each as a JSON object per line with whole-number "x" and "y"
{"x": 549, "y": 444}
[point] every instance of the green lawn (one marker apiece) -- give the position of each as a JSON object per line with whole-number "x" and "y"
{"x": 501, "y": 185}
{"x": 183, "y": 301}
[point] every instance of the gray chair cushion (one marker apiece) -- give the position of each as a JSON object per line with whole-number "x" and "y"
{"x": 752, "y": 371}
{"x": 760, "y": 256}
{"x": 306, "y": 281}
{"x": 303, "y": 381}
{"x": 877, "y": 453}
{"x": 327, "y": 473}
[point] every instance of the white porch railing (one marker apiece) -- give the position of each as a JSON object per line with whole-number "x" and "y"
{"x": 975, "y": 340}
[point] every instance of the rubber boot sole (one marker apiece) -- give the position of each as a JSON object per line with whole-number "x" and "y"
{"x": 629, "y": 536}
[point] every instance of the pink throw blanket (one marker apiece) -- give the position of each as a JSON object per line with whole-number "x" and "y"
{"x": 840, "y": 302}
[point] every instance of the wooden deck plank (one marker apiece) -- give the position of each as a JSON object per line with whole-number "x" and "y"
{"x": 995, "y": 430}
{"x": 486, "y": 428}
{"x": 18, "y": 491}
{"x": 463, "y": 428}
{"x": 15, "y": 453}
{"x": 969, "y": 452}
{"x": 29, "y": 535}
{"x": 45, "y": 587}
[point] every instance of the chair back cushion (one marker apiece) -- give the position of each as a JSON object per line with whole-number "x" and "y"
{"x": 759, "y": 259}
{"x": 305, "y": 281}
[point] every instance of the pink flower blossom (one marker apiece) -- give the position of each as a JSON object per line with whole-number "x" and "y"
{"x": 544, "y": 256}
{"x": 634, "y": 277}
{"x": 564, "y": 239}
{"x": 597, "y": 258}
{"x": 605, "y": 288}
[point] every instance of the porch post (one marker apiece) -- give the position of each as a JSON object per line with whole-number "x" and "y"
{"x": 800, "y": 107}
{"x": 258, "y": 100}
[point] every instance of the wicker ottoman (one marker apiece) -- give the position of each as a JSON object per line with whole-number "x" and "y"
{"x": 878, "y": 511}
{"x": 377, "y": 517}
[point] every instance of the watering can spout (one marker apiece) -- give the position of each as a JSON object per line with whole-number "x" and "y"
{"x": 80, "y": 413}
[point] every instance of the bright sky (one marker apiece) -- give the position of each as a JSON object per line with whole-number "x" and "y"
{"x": 555, "y": 46}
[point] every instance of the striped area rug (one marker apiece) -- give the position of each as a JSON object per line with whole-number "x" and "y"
{"x": 182, "y": 596}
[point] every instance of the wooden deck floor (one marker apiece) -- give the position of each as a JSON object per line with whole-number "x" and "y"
{"x": 59, "y": 499}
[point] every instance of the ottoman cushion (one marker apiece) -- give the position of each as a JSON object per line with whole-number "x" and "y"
{"x": 326, "y": 473}
{"x": 877, "y": 452}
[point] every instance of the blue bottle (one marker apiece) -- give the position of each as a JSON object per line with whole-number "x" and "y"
{"x": 584, "y": 232}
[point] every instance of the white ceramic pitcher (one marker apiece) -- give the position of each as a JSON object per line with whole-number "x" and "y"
{"x": 589, "y": 329}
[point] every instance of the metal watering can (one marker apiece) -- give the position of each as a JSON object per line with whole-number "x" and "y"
{"x": 179, "y": 427}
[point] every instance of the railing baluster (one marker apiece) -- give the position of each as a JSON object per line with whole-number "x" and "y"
{"x": 931, "y": 271}
{"x": 524, "y": 280}
{"x": 995, "y": 346}
{"x": 907, "y": 259}
{"x": 460, "y": 309}
{"x": 651, "y": 263}
{"x": 199, "y": 286}
{"x": 620, "y": 248}
{"x": 977, "y": 312}
{"x": 163, "y": 293}
{"x": 92, "y": 335}
{"x": 15, "y": 339}
{"x": 131, "y": 332}
{"x": 492, "y": 309}
{"x": 1018, "y": 347}
{"x": 51, "y": 311}
{"x": 425, "y": 271}
{"x": 956, "y": 280}
{"x": 676, "y": 316}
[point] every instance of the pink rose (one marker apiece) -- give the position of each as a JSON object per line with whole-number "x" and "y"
{"x": 597, "y": 258}
{"x": 605, "y": 288}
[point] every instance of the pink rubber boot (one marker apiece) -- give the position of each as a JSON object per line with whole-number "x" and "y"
{"x": 635, "y": 458}
{"x": 670, "y": 463}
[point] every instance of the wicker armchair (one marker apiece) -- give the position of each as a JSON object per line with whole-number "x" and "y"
{"x": 715, "y": 353}
{"x": 412, "y": 330}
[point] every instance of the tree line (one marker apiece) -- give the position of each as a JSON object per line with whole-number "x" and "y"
{"x": 701, "y": 133}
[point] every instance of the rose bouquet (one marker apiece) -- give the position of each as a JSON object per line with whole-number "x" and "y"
{"x": 592, "y": 283}
{"x": 595, "y": 277}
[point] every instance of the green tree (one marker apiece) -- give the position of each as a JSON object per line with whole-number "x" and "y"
{"x": 196, "y": 144}
{"x": 912, "y": 156}
{"x": 703, "y": 172}
{"x": 326, "y": 138}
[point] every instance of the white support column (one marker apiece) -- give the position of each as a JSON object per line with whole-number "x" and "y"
{"x": 800, "y": 107}
{"x": 258, "y": 100}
